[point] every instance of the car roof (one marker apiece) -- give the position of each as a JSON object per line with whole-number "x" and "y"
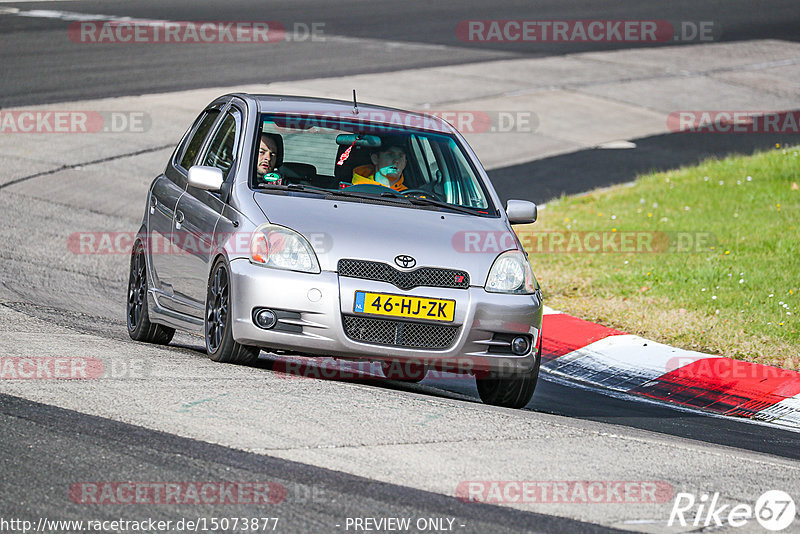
{"x": 343, "y": 109}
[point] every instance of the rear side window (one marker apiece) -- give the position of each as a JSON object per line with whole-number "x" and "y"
{"x": 223, "y": 146}
{"x": 199, "y": 135}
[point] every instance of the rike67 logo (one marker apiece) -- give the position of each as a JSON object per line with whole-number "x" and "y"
{"x": 774, "y": 510}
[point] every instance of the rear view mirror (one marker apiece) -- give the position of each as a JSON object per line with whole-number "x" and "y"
{"x": 207, "y": 178}
{"x": 370, "y": 141}
{"x": 521, "y": 211}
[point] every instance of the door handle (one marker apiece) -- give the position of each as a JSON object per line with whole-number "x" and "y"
{"x": 178, "y": 219}
{"x": 153, "y": 204}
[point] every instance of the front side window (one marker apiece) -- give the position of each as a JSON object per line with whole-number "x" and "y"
{"x": 197, "y": 138}
{"x": 222, "y": 149}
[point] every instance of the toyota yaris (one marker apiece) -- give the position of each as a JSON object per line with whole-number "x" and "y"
{"x": 332, "y": 228}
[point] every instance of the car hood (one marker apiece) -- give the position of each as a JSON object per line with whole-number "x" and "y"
{"x": 380, "y": 232}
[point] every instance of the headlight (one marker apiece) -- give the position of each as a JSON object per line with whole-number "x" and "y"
{"x": 511, "y": 273}
{"x": 281, "y": 248}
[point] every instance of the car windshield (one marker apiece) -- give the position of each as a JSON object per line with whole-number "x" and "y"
{"x": 346, "y": 158}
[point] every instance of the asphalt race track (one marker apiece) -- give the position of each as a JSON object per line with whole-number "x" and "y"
{"x": 40, "y": 67}
{"x": 353, "y": 448}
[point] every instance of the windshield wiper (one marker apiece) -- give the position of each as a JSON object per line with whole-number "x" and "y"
{"x": 335, "y": 192}
{"x": 420, "y": 201}
{"x": 386, "y": 195}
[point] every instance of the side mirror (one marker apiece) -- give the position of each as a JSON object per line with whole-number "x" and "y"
{"x": 208, "y": 178}
{"x": 521, "y": 212}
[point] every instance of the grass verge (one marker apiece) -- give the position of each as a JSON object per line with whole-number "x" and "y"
{"x": 705, "y": 258}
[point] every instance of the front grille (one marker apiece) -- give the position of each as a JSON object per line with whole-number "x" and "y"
{"x": 422, "y": 277}
{"x": 399, "y": 333}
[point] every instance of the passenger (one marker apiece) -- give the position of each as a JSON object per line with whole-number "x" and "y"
{"x": 269, "y": 157}
{"x": 388, "y": 163}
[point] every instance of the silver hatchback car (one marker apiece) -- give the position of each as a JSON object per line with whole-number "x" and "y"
{"x": 330, "y": 228}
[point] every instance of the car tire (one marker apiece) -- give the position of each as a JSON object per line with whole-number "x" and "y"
{"x": 139, "y": 326}
{"x": 217, "y": 328}
{"x": 510, "y": 392}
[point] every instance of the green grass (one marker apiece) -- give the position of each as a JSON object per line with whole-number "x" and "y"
{"x": 736, "y": 296}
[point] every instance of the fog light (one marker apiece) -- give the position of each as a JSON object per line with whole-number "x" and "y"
{"x": 520, "y": 345}
{"x": 265, "y": 318}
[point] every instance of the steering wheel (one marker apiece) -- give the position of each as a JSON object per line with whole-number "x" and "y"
{"x": 422, "y": 192}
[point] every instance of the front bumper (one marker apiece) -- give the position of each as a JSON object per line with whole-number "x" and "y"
{"x": 315, "y": 305}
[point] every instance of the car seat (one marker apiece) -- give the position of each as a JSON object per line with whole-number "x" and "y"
{"x": 298, "y": 173}
{"x": 359, "y": 155}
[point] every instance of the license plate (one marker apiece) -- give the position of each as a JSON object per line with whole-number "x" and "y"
{"x": 404, "y": 306}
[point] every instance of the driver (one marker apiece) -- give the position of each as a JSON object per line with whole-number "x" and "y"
{"x": 388, "y": 163}
{"x": 270, "y": 149}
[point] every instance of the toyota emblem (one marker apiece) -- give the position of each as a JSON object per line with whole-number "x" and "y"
{"x": 404, "y": 261}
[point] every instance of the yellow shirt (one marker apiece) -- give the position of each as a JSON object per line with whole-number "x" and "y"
{"x": 365, "y": 174}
